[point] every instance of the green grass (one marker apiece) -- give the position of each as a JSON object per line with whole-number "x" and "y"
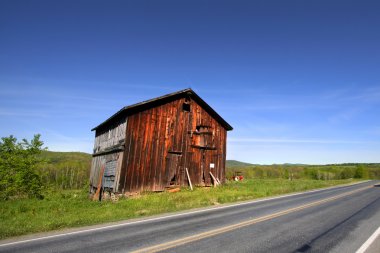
{"x": 72, "y": 208}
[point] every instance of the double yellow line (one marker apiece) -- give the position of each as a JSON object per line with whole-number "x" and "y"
{"x": 217, "y": 231}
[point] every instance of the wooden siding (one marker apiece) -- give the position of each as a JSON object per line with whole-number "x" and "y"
{"x": 109, "y": 146}
{"x": 110, "y": 137}
{"x": 162, "y": 141}
{"x": 98, "y": 162}
{"x": 203, "y": 156}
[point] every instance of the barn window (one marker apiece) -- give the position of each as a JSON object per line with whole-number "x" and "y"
{"x": 186, "y": 107}
{"x": 203, "y": 137}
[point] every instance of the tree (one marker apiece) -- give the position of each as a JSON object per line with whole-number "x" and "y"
{"x": 361, "y": 172}
{"x": 19, "y": 161}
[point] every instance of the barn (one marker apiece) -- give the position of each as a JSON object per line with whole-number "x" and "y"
{"x": 160, "y": 143}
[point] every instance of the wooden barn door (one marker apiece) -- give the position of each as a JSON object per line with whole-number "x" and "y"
{"x": 172, "y": 169}
{"x": 203, "y": 168}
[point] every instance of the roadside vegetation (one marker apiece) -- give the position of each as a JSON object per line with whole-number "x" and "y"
{"x": 65, "y": 170}
{"x": 19, "y": 168}
{"x": 43, "y": 191}
{"x": 301, "y": 171}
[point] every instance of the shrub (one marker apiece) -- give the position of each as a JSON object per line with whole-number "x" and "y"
{"x": 19, "y": 162}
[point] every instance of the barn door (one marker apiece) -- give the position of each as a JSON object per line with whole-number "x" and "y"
{"x": 108, "y": 183}
{"x": 205, "y": 168}
{"x": 172, "y": 169}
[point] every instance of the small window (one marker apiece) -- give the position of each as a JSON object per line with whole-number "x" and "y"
{"x": 186, "y": 107}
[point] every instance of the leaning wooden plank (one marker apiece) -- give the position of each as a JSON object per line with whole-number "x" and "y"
{"x": 97, "y": 193}
{"x": 188, "y": 178}
{"x": 214, "y": 179}
{"x": 218, "y": 181}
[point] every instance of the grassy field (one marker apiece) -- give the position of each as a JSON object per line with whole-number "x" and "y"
{"x": 71, "y": 208}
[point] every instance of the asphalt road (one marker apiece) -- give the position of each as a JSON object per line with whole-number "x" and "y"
{"x": 332, "y": 220}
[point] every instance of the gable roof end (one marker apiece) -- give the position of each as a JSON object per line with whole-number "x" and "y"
{"x": 128, "y": 110}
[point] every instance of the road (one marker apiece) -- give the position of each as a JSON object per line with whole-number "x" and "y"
{"x": 331, "y": 220}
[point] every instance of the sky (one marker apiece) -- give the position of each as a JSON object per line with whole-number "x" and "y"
{"x": 298, "y": 80}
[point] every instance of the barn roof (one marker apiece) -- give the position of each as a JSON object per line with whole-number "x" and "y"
{"x": 131, "y": 109}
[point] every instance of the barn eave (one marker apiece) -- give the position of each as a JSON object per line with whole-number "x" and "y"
{"x": 131, "y": 109}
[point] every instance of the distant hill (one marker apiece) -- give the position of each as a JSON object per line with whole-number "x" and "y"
{"x": 234, "y": 163}
{"x": 66, "y": 170}
{"x": 53, "y": 157}
{"x": 292, "y": 164}
{"x": 56, "y": 158}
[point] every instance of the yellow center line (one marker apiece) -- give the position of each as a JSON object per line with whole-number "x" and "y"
{"x": 217, "y": 231}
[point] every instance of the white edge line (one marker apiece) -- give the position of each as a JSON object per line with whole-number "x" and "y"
{"x": 370, "y": 240}
{"x": 174, "y": 215}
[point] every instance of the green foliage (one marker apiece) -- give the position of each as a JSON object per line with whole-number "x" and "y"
{"x": 361, "y": 172}
{"x": 300, "y": 171}
{"x": 54, "y": 158}
{"x": 19, "y": 161}
{"x": 66, "y": 170}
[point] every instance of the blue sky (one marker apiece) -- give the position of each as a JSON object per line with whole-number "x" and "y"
{"x": 298, "y": 80}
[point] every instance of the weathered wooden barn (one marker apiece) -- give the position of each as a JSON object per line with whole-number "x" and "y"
{"x": 148, "y": 146}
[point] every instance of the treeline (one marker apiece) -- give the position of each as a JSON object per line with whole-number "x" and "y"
{"x": 318, "y": 172}
{"x": 65, "y": 170}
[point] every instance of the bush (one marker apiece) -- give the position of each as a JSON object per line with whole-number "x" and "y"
{"x": 19, "y": 175}
{"x": 361, "y": 172}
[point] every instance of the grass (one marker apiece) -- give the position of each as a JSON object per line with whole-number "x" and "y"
{"x": 72, "y": 208}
